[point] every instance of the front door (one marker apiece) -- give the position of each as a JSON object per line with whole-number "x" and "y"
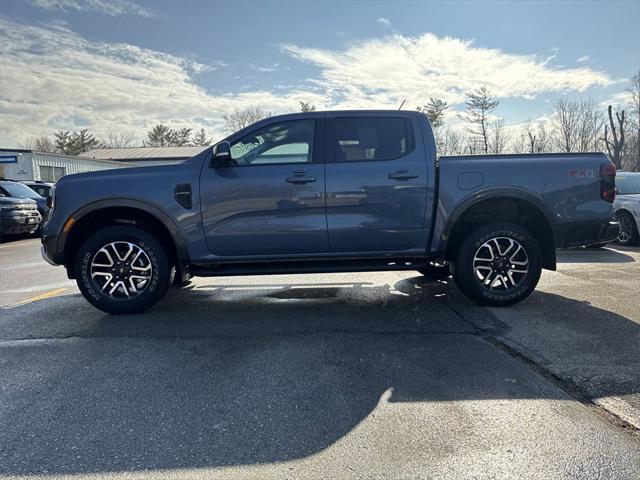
{"x": 270, "y": 199}
{"x": 376, "y": 184}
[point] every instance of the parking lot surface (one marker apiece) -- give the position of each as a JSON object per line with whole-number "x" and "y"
{"x": 367, "y": 375}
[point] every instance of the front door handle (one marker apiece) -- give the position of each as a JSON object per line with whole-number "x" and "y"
{"x": 402, "y": 175}
{"x": 300, "y": 178}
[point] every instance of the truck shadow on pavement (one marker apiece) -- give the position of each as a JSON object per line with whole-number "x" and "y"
{"x": 246, "y": 374}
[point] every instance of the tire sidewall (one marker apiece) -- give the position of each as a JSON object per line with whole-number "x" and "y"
{"x": 465, "y": 276}
{"x": 160, "y": 276}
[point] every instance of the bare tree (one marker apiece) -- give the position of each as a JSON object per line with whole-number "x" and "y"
{"x": 238, "y": 119}
{"x": 434, "y": 109}
{"x": 449, "y": 142}
{"x": 119, "y": 140}
{"x": 535, "y": 138}
{"x": 40, "y": 144}
{"x": 498, "y": 137}
{"x": 307, "y": 107}
{"x": 616, "y": 143}
{"x": 577, "y": 125}
{"x": 480, "y": 103}
{"x": 631, "y": 148}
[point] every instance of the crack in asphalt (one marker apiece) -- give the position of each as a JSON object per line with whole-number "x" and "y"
{"x": 570, "y": 388}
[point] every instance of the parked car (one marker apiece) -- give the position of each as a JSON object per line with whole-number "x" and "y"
{"x": 328, "y": 192}
{"x": 627, "y": 206}
{"x": 15, "y": 189}
{"x": 18, "y": 216}
{"x": 41, "y": 188}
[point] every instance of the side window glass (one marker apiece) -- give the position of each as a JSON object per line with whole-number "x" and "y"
{"x": 361, "y": 139}
{"x": 280, "y": 143}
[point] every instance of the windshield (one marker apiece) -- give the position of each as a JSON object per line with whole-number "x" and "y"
{"x": 18, "y": 190}
{"x": 627, "y": 184}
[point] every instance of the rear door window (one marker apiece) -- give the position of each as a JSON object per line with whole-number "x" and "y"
{"x": 365, "y": 139}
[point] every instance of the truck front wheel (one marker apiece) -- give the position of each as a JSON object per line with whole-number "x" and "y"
{"x": 498, "y": 264}
{"x": 122, "y": 269}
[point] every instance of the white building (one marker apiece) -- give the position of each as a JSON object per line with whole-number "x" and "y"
{"x": 18, "y": 164}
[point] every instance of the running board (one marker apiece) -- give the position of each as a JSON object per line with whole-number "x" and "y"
{"x": 308, "y": 266}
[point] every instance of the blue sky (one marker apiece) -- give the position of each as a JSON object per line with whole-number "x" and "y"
{"x": 126, "y": 65}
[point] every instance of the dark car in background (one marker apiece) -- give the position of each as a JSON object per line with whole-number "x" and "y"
{"x": 15, "y": 189}
{"x": 41, "y": 188}
{"x": 18, "y": 216}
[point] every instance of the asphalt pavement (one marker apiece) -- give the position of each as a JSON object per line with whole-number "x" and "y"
{"x": 367, "y": 375}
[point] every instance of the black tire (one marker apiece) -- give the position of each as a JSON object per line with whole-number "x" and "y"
{"x": 435, "y": 271}
{"x": 468, "y": 280}
{"x": 155, "y": 287}
{"x": 628, "y": 236}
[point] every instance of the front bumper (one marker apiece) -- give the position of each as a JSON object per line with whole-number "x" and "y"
{"x": 49, "y": 248}
{"x": 15, "y": 225}
{"x": 43, "y": 252}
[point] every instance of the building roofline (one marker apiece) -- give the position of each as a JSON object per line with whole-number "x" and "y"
{"x": 19, "y": 150}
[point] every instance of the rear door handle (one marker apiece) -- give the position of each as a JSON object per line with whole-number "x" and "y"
{"x": 402, "y": 175}
{"x": 300, "y": 178}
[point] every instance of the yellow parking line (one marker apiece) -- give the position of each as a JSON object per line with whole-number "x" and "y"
{"x": 42, "y": 296}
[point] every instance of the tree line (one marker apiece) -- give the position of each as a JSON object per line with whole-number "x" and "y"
{"x": 77, "y": 142}
{"x": 573, "y": 125}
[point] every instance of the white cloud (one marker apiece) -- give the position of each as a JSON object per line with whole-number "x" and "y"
{"x": 272, "y": 68}
{"x": 619, "y": 100}
{"x": 583, "y": 59}
{"x": 384, "y": 21}
{"x": 384, "y": 71}
{"x": 51, "y": 78}
{"x": 112, "y": 8}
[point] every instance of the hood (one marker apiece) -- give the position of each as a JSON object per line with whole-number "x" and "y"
{"x": 16, "y": 201}
{"x": 630, "y": 196}
{"x": 126, "y": 173}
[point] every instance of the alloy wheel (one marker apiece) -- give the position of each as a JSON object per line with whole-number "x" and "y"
{"x": 501, "y": 264}
{"x": 121, "y": 270}
{"x": 626, "y": 229}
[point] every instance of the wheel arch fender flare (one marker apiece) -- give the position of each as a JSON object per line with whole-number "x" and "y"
{"x": 182, "y": 253}
{"x": 531, "y": 199}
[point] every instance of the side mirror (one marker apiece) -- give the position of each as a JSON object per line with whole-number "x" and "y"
{"x": 221, "y": 154}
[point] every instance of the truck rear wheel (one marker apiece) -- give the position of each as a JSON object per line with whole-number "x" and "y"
{"x": 498, "y": 264}
{"x": 122, "y": 269}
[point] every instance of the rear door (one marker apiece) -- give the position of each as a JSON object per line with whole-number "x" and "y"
{"x": 270, "y": 200}
{"x": 376, "y": 183}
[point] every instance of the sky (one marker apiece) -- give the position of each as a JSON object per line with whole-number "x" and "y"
{"x": 126, "y": 65}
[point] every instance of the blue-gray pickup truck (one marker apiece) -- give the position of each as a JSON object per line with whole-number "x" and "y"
{"x": 328, "y": 192}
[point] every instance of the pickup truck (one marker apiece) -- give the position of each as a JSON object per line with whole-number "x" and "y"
{"x": 328, "y": 192}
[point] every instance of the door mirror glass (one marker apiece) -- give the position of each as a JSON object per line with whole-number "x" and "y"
{"x": 221, "y": 154}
